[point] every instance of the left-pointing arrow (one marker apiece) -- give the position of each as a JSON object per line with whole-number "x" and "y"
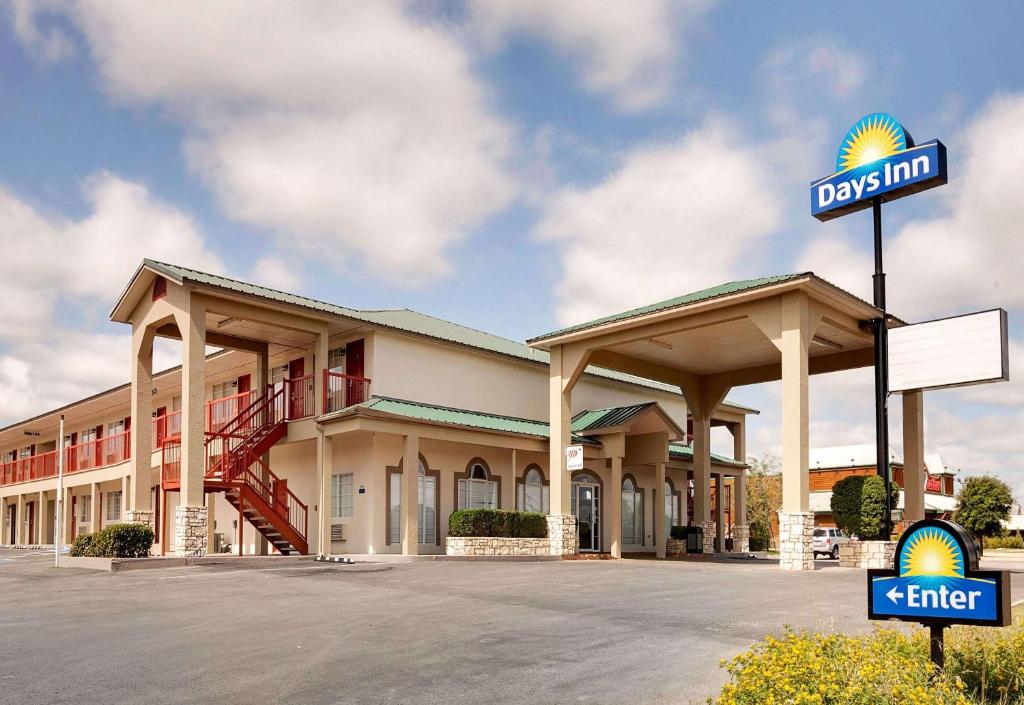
{"x": 894, "y": 594}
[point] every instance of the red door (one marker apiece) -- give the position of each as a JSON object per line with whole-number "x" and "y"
{"x": 31, "y": 507}
{"x": 161, "y": 425}
{"x": 355, "y": 391}
{"x": 297, "y": 388}
{"x": 12, "y": 522}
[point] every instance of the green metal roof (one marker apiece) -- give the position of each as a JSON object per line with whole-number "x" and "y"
{"x": 603, "y": 418}
{"x": 455, "y": 417}
{"x": 686, "y": 299}
{"x": 399, "y": 319}
{"x": 681, "y": 451}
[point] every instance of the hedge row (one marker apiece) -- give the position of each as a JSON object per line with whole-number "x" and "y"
{"x": 498, "y": 523}
{"x": 1008, "y": 541}
{"x": 115, "y": 541}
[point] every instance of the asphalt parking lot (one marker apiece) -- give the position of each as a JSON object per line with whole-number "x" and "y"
{"x": 629, "y": 631}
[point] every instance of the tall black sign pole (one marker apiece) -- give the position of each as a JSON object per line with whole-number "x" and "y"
{"x": 881, "y": 368}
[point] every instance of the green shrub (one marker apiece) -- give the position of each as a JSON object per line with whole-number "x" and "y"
{"x": 983, "y": 666}
{"x": 115, "y": 541}
{"x": 82, "y": 546}
{"x": 1011, "y": 541}
{"x": 760, "y": 537}
{"x": 858, "y": 505}
{"x": 983, "y": 504}
{"x": 497, "y": 523}
{"x": 886, "y": 666}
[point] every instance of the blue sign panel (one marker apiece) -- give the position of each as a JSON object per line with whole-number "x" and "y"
{"x": 878, "y": 158}
{"x": 935, "y": 580}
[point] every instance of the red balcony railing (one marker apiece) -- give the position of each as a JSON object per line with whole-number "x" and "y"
{"x": 220, "y": 411}
{"x": 166, "y": 426}
{"x": 341, "y": 390}
{"x": 96, "y": 453}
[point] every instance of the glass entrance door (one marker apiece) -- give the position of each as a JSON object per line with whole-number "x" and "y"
{"x": 587, "y": 501}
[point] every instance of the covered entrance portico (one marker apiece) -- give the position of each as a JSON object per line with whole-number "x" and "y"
{"x": 776, "y": 328}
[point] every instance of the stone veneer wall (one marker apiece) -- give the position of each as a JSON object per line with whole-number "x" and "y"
{"x": 675, "y": 547}
{"x": 741, "y": 538}
{"x": 561, "y": 541}
{"x": 492, "y": 546}
{"x": 867, "y": 554}
{"x": 139, "y": 516}
{"x": 710, "y": 530}
{"x": 190, "y": 531}
{"x": 796, "y": 537}
{"x": 562, "y": 535}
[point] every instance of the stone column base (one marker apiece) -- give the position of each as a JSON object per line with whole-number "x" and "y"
{"x": 562, "y": 535}
{"x": 796, "y": 537}
{"x": 867, "y": 554}
{"x": 138, "y": 516}
{"x": 190, "y": 531}
{"x": 710, "y": 532}
{"x": 740, "y": 539}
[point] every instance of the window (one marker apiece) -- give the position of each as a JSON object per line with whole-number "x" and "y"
{"x": 671, "y": 508}
{"x": 341, "y": 496}
{"x": 224, "y": 389}
{"x": 477, "y": 491}
{"x": 114, "y": 445}
{"x": 632, "y": 512}
{"x": 278, "y": 375}
{"x": 113, "y": 506}
{"x": 336, "y": 359}
{"x": 85, "y": 509}
{"x": 532, "y": 495}
{"x": 427, "y": 492}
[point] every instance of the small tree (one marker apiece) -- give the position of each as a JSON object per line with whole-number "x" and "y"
{"x": 858, "y": 506}
{"x": 764, "y": 500}
{"x": 982, "y": 506}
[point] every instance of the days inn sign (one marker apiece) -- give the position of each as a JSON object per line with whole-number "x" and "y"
{"x": 935, "y": 580}
{"x": 877, "y": 157}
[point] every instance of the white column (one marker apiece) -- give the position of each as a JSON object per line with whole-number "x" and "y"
{"x": 141, "y": 441}
{"x": 41, "y": 519}
{"x": 325, "y": 465}
{"x": 659, "y": 509}
{"x": 410, "y": 496}
{"x": 796, "y": 523}
{"x": 614, "y": 500}
{"x": 191, "y": 515}
{"x": 914, "y": 472}
{"x": 20, "y": 528}
{"x": 319, "y": 368}
{"x": 560, "y": 396}
{"x": 701, "y": 470}
{"x": 720, "y": 513}
{"x": 740, "y": 528}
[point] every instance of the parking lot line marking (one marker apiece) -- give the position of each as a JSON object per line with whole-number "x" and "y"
{"x": 236, "y": 572}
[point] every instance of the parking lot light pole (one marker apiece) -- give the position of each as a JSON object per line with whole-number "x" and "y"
{"x": 58, "y": 532}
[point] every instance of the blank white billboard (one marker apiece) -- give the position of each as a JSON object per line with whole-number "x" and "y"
{"x": 949, "y": 352}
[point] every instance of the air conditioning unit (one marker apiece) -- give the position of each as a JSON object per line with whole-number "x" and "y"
{"x": 337, "y": 533}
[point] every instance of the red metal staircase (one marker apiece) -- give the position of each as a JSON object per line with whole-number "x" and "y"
{"x": 234, "y": 466}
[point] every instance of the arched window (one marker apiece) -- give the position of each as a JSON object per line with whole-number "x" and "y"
{"x": 428, "y": 500}
{"x": 477, "y": 489}
{"x": 632, "y": 512}
{"x": 671, "y": 507}
{"x": 531, "y": 492}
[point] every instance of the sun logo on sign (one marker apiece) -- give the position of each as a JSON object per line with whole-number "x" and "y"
{"x": 933, "y": 553}
{"x": 873, "y": 138}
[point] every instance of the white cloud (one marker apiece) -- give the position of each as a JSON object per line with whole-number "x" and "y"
{"x": 350, "y": 128}
{"x": 277, "y": 272}
{"x": 47, "y": 44}
{"x": 46, "y": 361}
{"x": 660, "y": 225}
{"x": 970, "y": 257}
{"x": 628, "y": 50}
{"x": 827, "y": 64}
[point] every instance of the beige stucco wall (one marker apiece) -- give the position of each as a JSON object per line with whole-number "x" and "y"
{"x": 420, "y": 370}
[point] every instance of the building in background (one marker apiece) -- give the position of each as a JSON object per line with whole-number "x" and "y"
{"x": 831, "y": 464}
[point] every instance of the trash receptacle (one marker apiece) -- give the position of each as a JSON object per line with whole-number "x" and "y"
{"x": 694, "y": 539}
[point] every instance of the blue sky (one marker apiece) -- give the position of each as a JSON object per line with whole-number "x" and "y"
{"x": 510, "y": 166}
